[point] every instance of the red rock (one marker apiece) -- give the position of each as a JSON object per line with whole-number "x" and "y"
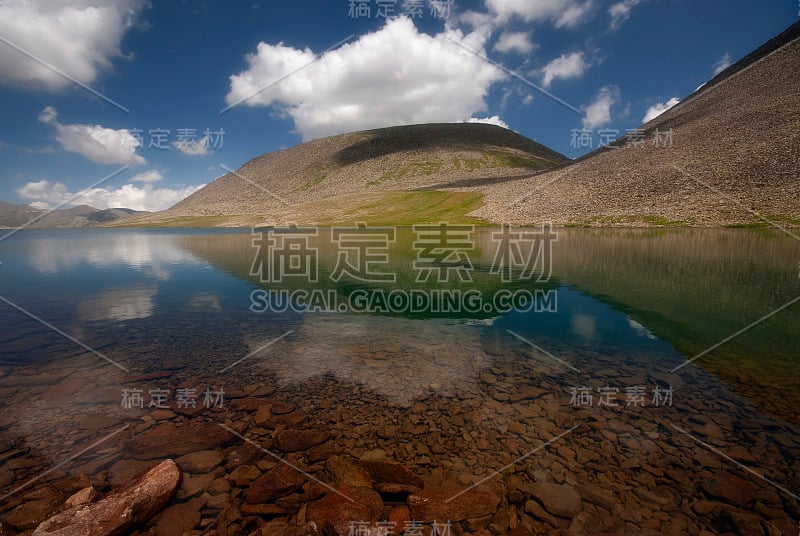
{"x": 28, "y": 515}
{"x": 295, "y": 418}
{"x": 120, "y": 510}
{"x": 249, "y": 404}
{"x": 162, "y": 414}
{"x": 396, "y": 492}
{"x": 263, "y": 510}
{"x": 448, "y": 503}
{"x": 179, "y": 518}
{"x": 169, "y": 439}
{"x": 279, "y": 482}
{"x": 334, "y": 512}
{"x": 63, "y": 390}
{"x": 84, "y": 496}
{"x": 192, "y": 486}
{"x": 263, "y": 414}
{"x": 730, "y": 488}
{"x": 122, "y": 472}
{"x": 345, "y": 471}
{"x": 202, "y": 461}
{"x": 147, "y": 376}
{"x": 298, "y": 440}
{"x": 400, "y": 516}
{"x": 558, "y": 499}
{"x": 390, "y": 473}
{"x": 279, "y": 408}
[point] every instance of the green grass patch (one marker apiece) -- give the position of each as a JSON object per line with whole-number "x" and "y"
{"x": 650, "y": 220}
{"x": 186, "y": 221}
{"x": 310, "y": 184}
{"x": 786, "y": 219}
{"x": 404, "y": 208}
{"x": 414, "y": 169}
{"x": 501, "y": 159}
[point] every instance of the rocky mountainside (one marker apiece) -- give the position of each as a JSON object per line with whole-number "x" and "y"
{"x": 734, "y": 155}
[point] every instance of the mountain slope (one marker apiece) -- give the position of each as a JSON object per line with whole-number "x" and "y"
{"x": 12, "y": 216}
{"x": 332, "y": 174}
{"x": 735, "y": 152}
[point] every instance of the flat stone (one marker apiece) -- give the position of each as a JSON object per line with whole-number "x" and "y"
{"x": 558, "y": 499}
{"x": 170, "y": 440}
{"x": 299, "y": 440}
{"x": 147, "y": 376}
{"x": 28, "y": 515}
{"x": 390, "y": 473}
{"x": 279, "y": 482}
{"x": 193, "y": 485}
{"x": 124, "y": 471}
{"x": 396, "y": 492}
{"x": 263, "y": 414}
{"x": 263, "y": 510}
{"x": 729, "y": 488}
{"x": 295, "y": 418}
{"x": 597, "y": 495}
{"x": 179, "y": 518}
{"x": 444, "y": 503}
{"x": 345, "y": 471}
{"x": 335, "y": 511}
{"x": 84, "y": 496}
{"x": 203, "y": 461}
{"x": 162, "y": 414}
{"x": 63, "y": 390}
{"x": 243, "y": 475}
{"x": 118, "y": 512}
{"x": 280, "y": 408}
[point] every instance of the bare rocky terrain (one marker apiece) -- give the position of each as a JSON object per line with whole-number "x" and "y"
{"x": 735, "y": 152}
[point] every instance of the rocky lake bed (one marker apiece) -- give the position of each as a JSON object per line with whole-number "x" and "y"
{"x": 438, "y": 435}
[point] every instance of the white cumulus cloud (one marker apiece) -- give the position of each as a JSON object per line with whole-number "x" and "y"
{"x": 598, "y": 113}
{"x": 514, "y": 41}
{"x": 80, "y": 38}
{"x": 494, "y": 120}
{"x": 658, "y": 109}
{"x": 97, "y": 143}
{"x": 45, "y": 194}
{"x": 147, "y": 177}
{"x": 562, "y": 13}
{"x": 394, "y": 76}
{"x": 193, "y": 147}
{"x": 722, "y": 64}
{"x": 564, "y": 67}
{"x": 621, "y": 11}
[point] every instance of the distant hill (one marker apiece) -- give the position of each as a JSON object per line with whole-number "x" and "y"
{"x": 389, "y": 174}
{"x": 12, "y": 216}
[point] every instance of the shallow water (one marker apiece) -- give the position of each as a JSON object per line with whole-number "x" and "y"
{"x": 466, "y": 390}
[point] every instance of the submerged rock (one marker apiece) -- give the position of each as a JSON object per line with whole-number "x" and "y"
{"x": 453, "y": 503}
{"x": 169, "y": 439}
{"x": 297, "y": 440}
{"x": 279, "y": 482}
{"x": 344, "y": 471}
{"x": 558, "y": 499}
{"x": 334, "y": 512}
{"x": 119, "y": 511}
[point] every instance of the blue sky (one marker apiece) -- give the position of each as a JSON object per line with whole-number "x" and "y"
{"x": 174, "y": 65}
